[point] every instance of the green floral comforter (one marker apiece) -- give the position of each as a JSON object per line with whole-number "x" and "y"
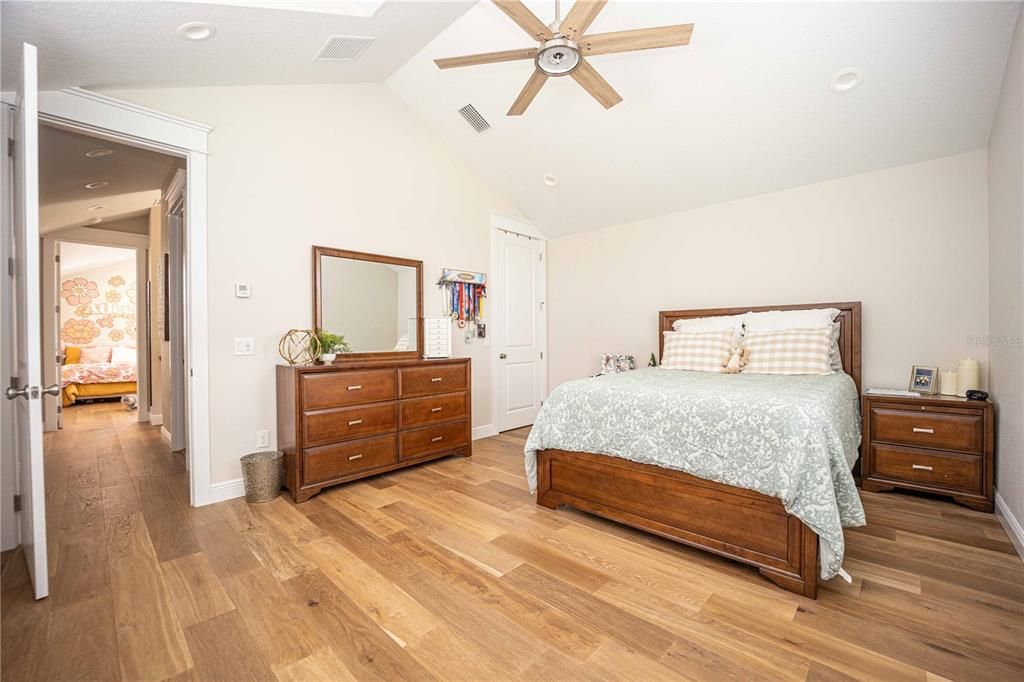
{"x": 791, "y": 437}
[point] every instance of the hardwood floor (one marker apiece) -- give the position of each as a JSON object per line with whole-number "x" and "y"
{"x": 450, "y": 571}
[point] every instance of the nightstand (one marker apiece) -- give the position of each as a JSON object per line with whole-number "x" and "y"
{"x": 936, "y": 444}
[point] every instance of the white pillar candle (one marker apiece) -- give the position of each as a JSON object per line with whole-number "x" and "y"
{"x": 949, "y": 383}
{"x": 968, "y": 377}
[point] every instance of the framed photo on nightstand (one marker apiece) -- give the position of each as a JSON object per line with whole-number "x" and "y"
{"x": 924, "y": 379}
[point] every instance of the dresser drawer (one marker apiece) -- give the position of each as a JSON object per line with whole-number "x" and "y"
{"x": 428, "y": 380}
{"x": 432, "y": 439}
{"x": 335, "y": 461}
{"x": 335, "y": 389}
{"x": 432, "y": 409}
{"x": 944, "y": 469}
{"x": 329, "y": 426}
{"x": 961, "y": 431}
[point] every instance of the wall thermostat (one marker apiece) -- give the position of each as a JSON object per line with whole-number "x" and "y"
{"x": 242, "y": 290}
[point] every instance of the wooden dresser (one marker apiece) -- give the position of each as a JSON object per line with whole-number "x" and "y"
{"x": 348, "y": 420}
{"x": 936, "y": 444}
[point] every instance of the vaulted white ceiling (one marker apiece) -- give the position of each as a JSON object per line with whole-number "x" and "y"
{"x": 135, "y": 44}
{"x": 743, "y": 110}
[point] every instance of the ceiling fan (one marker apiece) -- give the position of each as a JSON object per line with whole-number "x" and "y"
{"x": 563, "y": 46}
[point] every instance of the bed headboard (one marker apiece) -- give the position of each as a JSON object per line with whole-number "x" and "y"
{"x": 849, "y": 332}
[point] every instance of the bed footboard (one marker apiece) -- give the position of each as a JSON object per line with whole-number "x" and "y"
{"x": 733, "y": 522}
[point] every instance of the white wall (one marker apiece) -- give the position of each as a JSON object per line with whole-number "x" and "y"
{"x": 158, "y": 368}
{"x": 909, "y": 242}
{"x": 1006, "y": 280}
{"x": 347, "y": 166}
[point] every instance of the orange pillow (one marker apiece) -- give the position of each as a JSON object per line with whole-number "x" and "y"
{"x": 72, "y": 355}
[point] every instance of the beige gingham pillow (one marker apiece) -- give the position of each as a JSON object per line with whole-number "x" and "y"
{"x": 789, "y": 351}
{"x": 704, "y": 352}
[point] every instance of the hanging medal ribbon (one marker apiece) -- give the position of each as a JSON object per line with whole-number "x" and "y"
{"x": 464, "y": 294}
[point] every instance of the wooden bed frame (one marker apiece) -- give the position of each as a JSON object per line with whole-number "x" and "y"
{"x": 732, "y": 522}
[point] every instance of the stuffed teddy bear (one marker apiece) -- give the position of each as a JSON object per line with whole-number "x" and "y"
{"x": 737, "y": 360}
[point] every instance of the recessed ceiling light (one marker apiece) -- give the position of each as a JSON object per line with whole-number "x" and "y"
{"x": 93, "y": 221}
{"x": 96, "y": 153}
{"x": 97, "y": 207}
{"x": 97, "y": 185}
{"x": 196, "y": 30}
{"x": 550, "y": 180}
{"x": 846, "y": 79}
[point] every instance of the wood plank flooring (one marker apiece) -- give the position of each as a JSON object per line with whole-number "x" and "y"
{"x": 450, "y": 571}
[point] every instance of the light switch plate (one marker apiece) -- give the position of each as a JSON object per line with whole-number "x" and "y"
{"x": 244, "y": 346}
{"x": 242, "y": 290}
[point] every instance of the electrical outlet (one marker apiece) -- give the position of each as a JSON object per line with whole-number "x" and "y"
{"x": 244, "y": 346}
{"x": 263, "y": 439}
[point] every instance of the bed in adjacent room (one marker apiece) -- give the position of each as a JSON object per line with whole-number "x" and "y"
{"x": 98, "y": 372}
{"x": 753, "y": 466}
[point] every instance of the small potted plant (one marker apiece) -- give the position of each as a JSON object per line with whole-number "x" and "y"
{"x": 331, "y": 345}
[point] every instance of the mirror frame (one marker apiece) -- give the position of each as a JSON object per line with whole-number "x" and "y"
{"x": 320, "y": 251}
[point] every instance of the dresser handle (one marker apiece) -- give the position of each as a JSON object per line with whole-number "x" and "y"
{"x": 921, "y": 467}
{"x": 436, "y": 409}
{"x": 357, "y": 387}
{"x": 435, "y": 380}
{"x": 355, "y": 422}
{"x": 436, "y": 438}
{"x": 918, "y": 429}
{"x": 354, "y": 457}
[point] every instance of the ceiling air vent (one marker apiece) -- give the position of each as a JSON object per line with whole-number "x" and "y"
{"x": 343, "y": 49}
{"x": 474, "y": 118}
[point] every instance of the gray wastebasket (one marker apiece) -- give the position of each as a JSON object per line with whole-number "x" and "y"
{"x": 262, "y": 473}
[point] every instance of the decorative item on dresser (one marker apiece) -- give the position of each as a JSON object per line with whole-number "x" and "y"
{"x": 935, "y": 444}
{"x": 350, "y": 420}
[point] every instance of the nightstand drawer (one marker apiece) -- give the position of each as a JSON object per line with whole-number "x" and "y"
{"x": 960, "y": 431}
{"x": 944, "y": 469}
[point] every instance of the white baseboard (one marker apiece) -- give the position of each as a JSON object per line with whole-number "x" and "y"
{"x": 1011, "y": 524}
{"x": 485, "y": 431}
{"x": 165, "y": 435}
{"x": 156, "y": 419}
{"x": 226, "y": 490}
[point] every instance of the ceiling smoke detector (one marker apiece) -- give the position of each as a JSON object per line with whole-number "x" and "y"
{"x": 846, "y": 80}
{"x": 550, "y": 180}
{"x": 196, "y": 30}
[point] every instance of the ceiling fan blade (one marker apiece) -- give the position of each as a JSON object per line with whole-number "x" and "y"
{"x": 527, "y": 20}
{"x": 598, "y": 87}
{"x": 528, "y": 92}
{"x": 486, "y": 58}
{"x": 637, "y": 39}
{"x": 579, "y": 18}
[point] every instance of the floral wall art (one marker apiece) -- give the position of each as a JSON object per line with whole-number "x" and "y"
{"x": 98, "y": 307}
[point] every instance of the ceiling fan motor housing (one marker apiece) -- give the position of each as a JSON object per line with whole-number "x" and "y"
{"x": 558, "y": 56}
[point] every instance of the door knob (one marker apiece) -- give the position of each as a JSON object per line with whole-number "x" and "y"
{"x": 502, "y": 356}
{"x": 52, "y": 390}
{"x": 11, "y": 393}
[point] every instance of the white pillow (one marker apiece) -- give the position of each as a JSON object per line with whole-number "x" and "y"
{"x": 816, "y": 318}
{"x": 122, "y": 354}
{"x": 702, "y": 325}
{"x": 94, "y": 355}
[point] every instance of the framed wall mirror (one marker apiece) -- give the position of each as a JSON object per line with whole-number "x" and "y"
{"x": 374, "y": 301}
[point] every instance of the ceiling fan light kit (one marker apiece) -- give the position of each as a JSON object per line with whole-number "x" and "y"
{"x": 564, "y": 44}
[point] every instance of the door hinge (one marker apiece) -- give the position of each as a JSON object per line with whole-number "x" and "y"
{"x": 10, "y": 266}
{"x": 10, "y": 146}
{"x": 540, "y": 256}
{"x": 17, "y": 503}
{"x": 56, "y": 308}
{"x": 56, "y": 258}
{"x": 542, "y": 355}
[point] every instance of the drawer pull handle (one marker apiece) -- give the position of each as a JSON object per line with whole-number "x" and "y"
{"x": 921, "y": 467}
{"x": 436, "y": 409}
{"x": 435, "y": 380}
{"x": 436, "y": 438}
{"x": 918, "y": 429}
{"x": 355, "y": 422}
{"x": 354, "y": 457}
{"x": 357, "y": 387}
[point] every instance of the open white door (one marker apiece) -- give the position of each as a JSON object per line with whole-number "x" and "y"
{"x": 22, "y": 293}
{"x": 521, "y": 331}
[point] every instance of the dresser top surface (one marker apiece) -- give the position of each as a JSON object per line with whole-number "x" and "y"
{"x": 374, "y": 364}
